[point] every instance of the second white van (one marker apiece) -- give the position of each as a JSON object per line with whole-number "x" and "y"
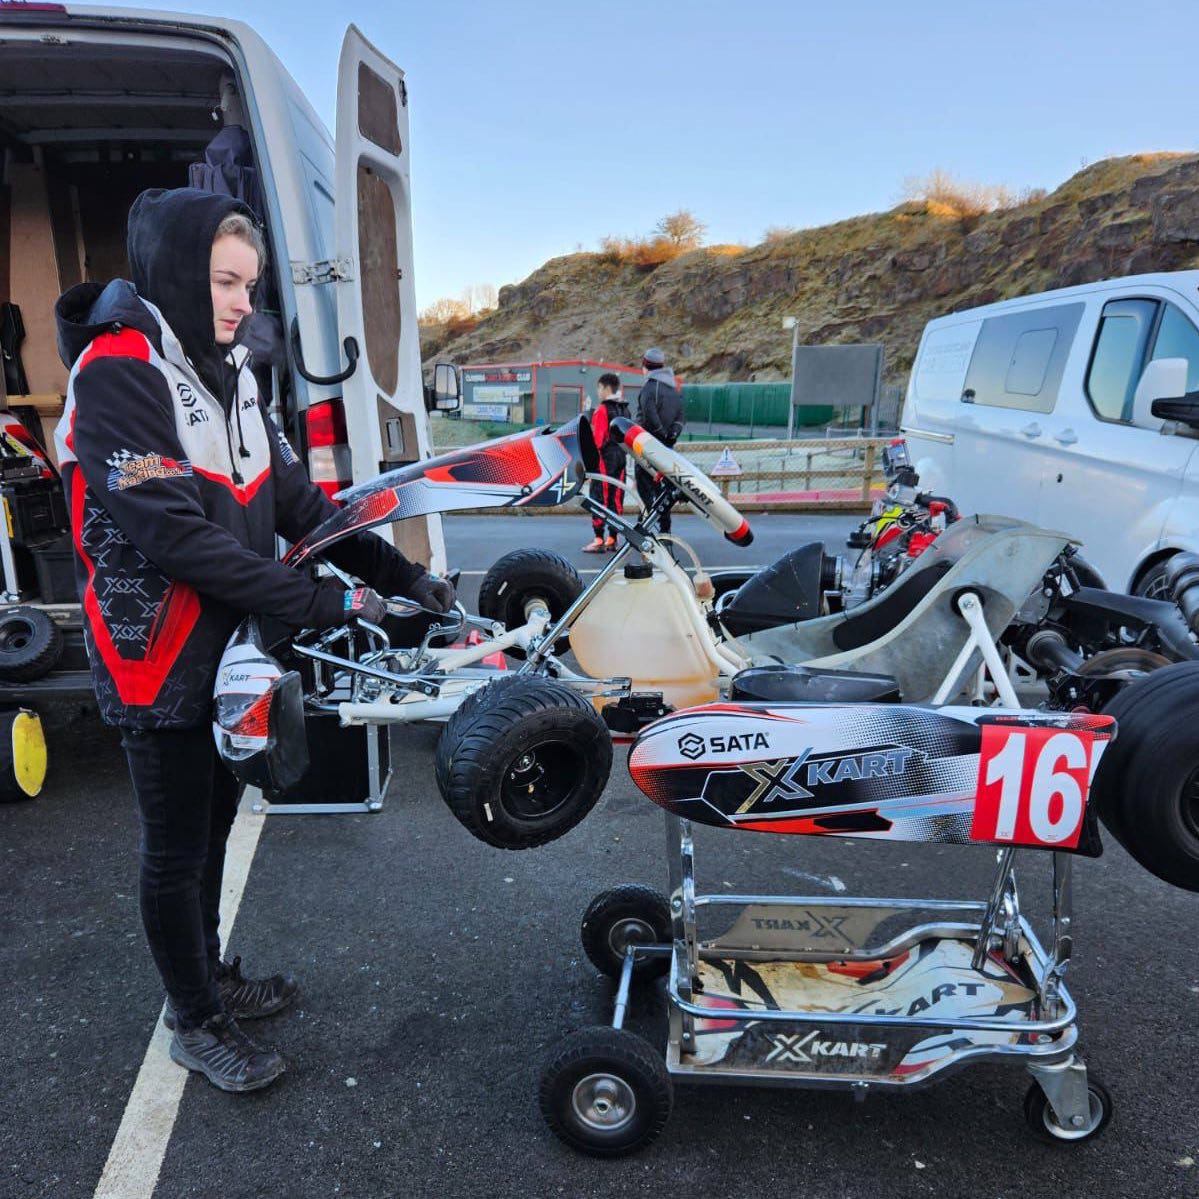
{"x": 1042, "y": 408}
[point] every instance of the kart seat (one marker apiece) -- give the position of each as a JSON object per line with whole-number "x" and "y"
{"x": 913, "y": 631}
{"x": 804, "y": 684}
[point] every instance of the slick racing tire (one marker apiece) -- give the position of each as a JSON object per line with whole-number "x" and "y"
{"x": 522, "y": 577}
{"x": 522, "y": 761}
{"x": 30, "y": 644}
{"x": 622, "y": 916}
{"x": 1042, "y": 1120}
{"x": 1146, "y": 789}
{"x": 606, "y": 1092}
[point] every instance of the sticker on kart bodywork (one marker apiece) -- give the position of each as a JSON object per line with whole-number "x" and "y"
{"x": 895, "y": 771}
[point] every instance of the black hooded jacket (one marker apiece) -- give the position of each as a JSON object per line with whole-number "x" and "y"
{"x": 178, "y": 481}
{"x": 660, "y": 406}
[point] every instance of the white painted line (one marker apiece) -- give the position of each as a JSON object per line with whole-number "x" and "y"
{"x": 131, "y": 1171}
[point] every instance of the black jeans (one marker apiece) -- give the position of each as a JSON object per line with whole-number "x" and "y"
{"x": 648, "y": 490}
{"x": 187, "y": 800}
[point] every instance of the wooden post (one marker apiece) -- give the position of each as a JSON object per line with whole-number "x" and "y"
{"x": 868, "y": 471}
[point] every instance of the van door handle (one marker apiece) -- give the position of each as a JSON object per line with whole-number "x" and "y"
{"x": 1033, "y": 430}
{"x": 1065, "y": 436}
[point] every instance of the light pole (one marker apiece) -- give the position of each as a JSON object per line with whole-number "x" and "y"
{"x": 790, "y": 322}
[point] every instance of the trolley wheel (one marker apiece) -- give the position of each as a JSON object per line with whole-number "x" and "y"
{"x": 1146, "y": 790}
{"x": 622, "y": 916}
{"x": 606, "y": 1092}
{"x": 22, "y": 755}
{"x": 523, "y": 576}
{"x": 522, "y": 761}
{"x": 30, "y": 644}
{"x": 1043, "y": 1122}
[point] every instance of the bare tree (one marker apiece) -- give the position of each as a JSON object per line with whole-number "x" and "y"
{"x": 683, "y": 229}
{"x": 441, "y": 311}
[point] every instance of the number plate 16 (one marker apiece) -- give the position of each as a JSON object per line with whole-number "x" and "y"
{"x": 1033, "y": 785}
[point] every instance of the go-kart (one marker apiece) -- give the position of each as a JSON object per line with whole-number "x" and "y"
{"x": 525, "y": 753}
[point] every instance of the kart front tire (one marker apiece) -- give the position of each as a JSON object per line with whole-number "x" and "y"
{"x": 522, "y": 761}
{"x": 606, "y": 1092}
{"x": 522, "y": 577}
{"x": 1146, "y": 789}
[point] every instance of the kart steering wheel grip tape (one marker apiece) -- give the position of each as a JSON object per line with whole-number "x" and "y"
{"x": 693, "y": 483}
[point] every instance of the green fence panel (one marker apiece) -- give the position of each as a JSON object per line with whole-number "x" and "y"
{"x": 756, "y": 404}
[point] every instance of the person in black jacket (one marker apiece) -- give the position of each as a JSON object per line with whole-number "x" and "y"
{"x": 660, "y": 413}
{"x": 177, "y": 482}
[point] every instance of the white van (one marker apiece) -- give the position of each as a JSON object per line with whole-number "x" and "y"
{"x": 1041, "y": 408}
{"x": 98, "y": 104}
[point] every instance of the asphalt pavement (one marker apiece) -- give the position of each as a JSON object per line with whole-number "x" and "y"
{"x": 437, "y": 972}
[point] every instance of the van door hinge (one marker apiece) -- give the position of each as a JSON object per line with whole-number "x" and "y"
{"x": 339, "y": 270}
{"x": 403, "y": 94}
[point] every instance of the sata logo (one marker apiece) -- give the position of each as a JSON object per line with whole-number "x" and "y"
{"x": 737, "y": 741}
{"x": 693, "y": 746}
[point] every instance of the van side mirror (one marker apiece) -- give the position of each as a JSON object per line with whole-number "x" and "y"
{"x": 1162, "y": 379}
{"x": 446, "y": 392}
{"x": 1184, "y": 410}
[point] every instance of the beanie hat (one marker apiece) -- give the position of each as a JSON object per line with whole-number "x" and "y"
{"x": 653, "y": 357}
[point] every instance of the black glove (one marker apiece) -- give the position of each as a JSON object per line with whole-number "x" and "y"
{"x": 365, "y": 604}
{"x": 433, "y": 593}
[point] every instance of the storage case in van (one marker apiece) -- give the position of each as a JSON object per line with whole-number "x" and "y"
{"x": 1042, "y": 408}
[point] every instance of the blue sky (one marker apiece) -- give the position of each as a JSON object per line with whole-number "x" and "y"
{"x": 537, "y": 128}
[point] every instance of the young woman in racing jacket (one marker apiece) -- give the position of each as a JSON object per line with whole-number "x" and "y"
{"x": 177, "y": 483}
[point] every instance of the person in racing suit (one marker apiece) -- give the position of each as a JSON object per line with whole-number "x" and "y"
{"x": 659, "y": 413}
{"x": 177, "y": 483}
{"x": 612, "y": 461}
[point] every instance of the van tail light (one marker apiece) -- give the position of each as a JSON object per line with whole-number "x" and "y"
{"x": 328, "y": 446}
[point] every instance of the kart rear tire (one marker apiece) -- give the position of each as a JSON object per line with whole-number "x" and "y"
{"x": 522, "y": 761}
{"x": 30, "y": 644}
{"x": 622, "y": 916}
{"x": 1043, "y": 1122}
{"x": 1146, "y": 790}
{"x": 606, "y": 1092}
{"x": 526, "y": 575}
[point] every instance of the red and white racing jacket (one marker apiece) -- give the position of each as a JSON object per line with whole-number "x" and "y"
{"x": 175, "y": 498}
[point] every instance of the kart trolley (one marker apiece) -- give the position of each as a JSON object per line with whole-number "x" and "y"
{"x": 850, "y": 993}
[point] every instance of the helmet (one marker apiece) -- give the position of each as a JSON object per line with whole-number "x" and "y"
{"x": 258, "y": 714}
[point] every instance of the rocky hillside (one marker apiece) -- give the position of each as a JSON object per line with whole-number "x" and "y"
{"x": 718, "y": 311}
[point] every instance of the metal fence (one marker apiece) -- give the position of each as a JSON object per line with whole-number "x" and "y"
{"x": 815, "y": 473}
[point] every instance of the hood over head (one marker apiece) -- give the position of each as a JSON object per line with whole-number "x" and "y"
{"x": 170, "y": 245}
{"x": 89, "y": 309}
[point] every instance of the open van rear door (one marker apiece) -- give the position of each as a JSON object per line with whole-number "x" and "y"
{"x": 386, "y": 420}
